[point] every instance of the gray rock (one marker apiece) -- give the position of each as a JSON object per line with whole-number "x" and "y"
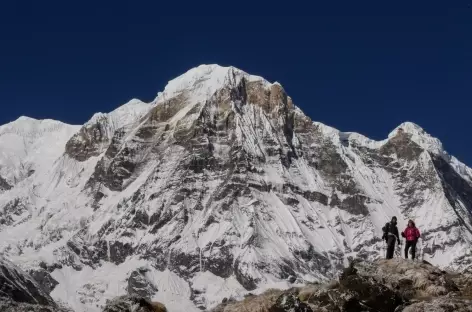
{"x": 89, "y": 141}
{"x": 289, "y": 303}
{"x": 139, "y": 285}
{"x": 44, "y": 279}
{"x": 442, "y": 304}
{"x": 4, "y": 186}
{"x": 132, "y": 304}
{"x": 17, "y": 286}
{"x": 20, "y": 292}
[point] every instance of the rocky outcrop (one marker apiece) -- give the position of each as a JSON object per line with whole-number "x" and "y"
{"x": 19, "y": 286}
{"x": 442, "y": 304}
{"x": 20, "y": 292}
{"x": 133, "y": 304}
{"x": 383, "y": 286}
{"x": 4, "y": 186}
{"x": 139, "y": 285}
{"x": 44, "y": 279}
{"x": 90, "y": 141}
{"x": 262, "y": 302}
{"x": 14, "y": 211}
{"x": 290, "y": 302}
{"x": 96, "y": 135}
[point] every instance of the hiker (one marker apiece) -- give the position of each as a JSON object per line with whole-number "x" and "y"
{"x": 411, "y": 234}
{"x": 390, "y": 235}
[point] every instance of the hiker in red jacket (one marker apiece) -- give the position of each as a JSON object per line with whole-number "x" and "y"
{"x": 411, "y": 234}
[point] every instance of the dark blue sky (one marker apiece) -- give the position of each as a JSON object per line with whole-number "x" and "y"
{"x": 357, "y": 67}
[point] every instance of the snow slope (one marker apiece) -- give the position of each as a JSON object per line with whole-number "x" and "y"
{"x": 219, "y": 187}
{"x": 30, "y": 145}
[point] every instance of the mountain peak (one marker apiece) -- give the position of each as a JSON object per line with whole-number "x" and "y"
{"x": 26, "y": 118}
{"x": 30, "y": 120}
{"x": 420, "y": 137}
{"x": 26, "y": 124}
{"x": 131, "y": 108}
{"x": 408, "y": 127}
{"x": 205, "y": 80}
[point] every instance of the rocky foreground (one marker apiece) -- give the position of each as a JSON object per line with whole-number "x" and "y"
{"x": 383, "y": 286}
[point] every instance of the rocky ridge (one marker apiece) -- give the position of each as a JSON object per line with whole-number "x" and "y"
{"x": 20, "y": 292}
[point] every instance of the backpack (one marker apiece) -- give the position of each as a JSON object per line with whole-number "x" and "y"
{"x": 385, "y": 230}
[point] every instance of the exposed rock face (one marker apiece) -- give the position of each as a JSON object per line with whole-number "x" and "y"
{"x": 20, "y": 287}
{"x": 4, "y": 186}
{"x": 14, "y": 211}
{"x": 44, "y": 279}
{"x": 95, "y": 136}
{"x": 20, "y": 292}
{"x": 139, "y": 285}
{"x": 222, "y": 178}
{"x": 89, "y": 142}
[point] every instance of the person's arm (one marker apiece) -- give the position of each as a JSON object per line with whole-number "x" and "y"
{"x": 417, "y": 234}
{"x": 398, "y": 238}
{"x": 403, "y": 233}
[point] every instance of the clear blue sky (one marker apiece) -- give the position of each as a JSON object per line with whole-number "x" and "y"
{"x": 360, "y": 67}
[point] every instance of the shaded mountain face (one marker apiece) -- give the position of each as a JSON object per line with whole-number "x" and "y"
{"x": 21, "y": 292}
{"x": 4, "y": 186}
{"x": 19, "y": 286}
{"x": 222, "y": 186}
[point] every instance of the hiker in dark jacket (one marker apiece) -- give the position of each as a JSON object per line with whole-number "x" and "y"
{"x": 411, "y": 234}
{"x": 390, "y": 235}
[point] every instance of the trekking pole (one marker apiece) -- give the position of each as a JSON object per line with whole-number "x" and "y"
{"x": 385, "y": 248}
{"x": 420, "y": 252}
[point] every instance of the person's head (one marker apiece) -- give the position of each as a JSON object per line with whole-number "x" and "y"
{"x": 411, "y": 223}
{"x": 394, "y": 219}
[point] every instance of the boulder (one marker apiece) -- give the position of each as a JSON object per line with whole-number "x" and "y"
{"x": 139, "y": 285}
{"x": 131, "y": 303}
{"x": 289, "y": 303}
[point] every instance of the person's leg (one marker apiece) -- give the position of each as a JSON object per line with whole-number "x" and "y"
{"x": 387, "y": 254}
{"x": 390, "y": 247}
{"x": 407, "y": 246}
{"x": 413, "y": 250}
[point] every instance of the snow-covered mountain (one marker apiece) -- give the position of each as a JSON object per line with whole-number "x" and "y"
{"x": 28, "y": 146}
{"x": 219, "y": 187}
